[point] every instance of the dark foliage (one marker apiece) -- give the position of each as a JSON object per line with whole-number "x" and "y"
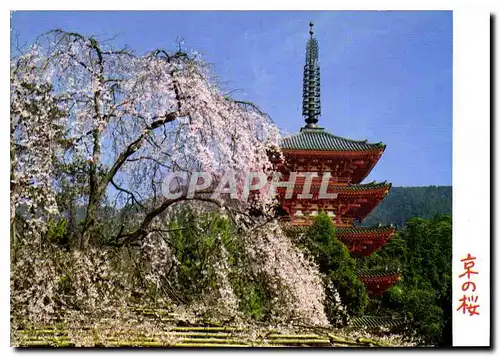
{"x": 336, "y": 263}
{"x": 423, "y": 249}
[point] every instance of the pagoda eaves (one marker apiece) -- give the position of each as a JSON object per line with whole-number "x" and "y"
{"x": 363, "y": 241}
{"x": 377, "y": 283}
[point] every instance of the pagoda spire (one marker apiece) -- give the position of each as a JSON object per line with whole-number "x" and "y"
{"x": 311, "y": 105}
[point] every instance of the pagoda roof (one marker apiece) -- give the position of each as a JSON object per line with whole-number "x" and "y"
{"x": 377, "y": 281}
{"x": 364, "y": 230}
{"x": 374, "y": 322}
{"x": 363, "y": 241}
{"x": 376, "y": 273}
{"x": 317, "y": 139}
{"x": 364, "y": 186}
{"x": 351, "y": 188}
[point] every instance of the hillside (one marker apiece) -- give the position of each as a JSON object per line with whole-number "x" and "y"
{"x": 402, "y": 203}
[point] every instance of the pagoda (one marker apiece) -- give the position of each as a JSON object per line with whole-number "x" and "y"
{"x": 343, "y": 164}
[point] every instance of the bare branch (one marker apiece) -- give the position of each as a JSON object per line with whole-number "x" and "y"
{"x": 143, "y": 230}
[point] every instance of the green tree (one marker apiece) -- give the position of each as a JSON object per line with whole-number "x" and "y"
{"x": 198, "y": 240}
{"x": 423, "y": 249}
{"x": 336, "y": 264}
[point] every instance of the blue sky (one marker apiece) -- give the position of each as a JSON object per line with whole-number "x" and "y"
{"x": 385, "y": 76}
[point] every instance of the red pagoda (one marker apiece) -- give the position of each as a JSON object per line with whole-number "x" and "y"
{"x": 344, "y": 163}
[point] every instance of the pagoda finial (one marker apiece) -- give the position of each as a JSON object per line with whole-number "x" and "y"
{"x": 311, "y": 105}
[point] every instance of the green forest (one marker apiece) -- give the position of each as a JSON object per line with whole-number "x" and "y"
{"x": 422, "y": 251}
{"x": 403, "y": 203}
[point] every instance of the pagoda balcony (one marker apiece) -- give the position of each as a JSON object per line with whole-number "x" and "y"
{"x": 348, "y": 203}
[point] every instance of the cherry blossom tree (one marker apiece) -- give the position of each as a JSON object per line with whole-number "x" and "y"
{"x": 95, "y": 133}
{"x": 105, "y": 127}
